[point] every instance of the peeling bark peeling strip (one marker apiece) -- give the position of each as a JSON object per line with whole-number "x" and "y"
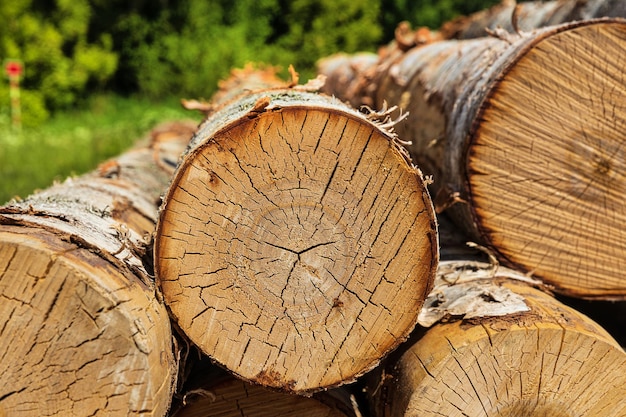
{"x": 466, "y": 290}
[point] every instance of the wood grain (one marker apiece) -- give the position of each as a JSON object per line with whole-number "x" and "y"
{"x": 82, "y": 331}
{"x": 547, "y": 361}
{"x": 296, "y": 243}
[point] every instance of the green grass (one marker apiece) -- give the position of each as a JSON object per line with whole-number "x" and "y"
{"x": 75, "y": 142}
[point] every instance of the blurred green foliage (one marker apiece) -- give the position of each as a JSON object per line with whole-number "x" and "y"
{"x": 75, "y": 141}
{"x": 61, "y": 62}
{"x": 75, "y": 48}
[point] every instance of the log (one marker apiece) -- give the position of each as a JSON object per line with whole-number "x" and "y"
{"x": 81, "y": 329}
{"x": 523, "y": 134}
{"x": 296, "y": 241}
{"x": 240, "y": 81}
{"x": 342, "y": 75}
{"x": 514, "y": 17}
{"x": 541, "y": 358}
{"x": 219, "y": 394}
{"x": 352, "y": 78}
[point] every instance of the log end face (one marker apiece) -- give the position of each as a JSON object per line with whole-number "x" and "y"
{"x": 76, "y": 339}
{"x": 535, "y": 408}
{"x": 536, "y": 363}
{"x": 546, "y": 162}
{"x": 311, "y": 258}
{"x": 233, "y": 398}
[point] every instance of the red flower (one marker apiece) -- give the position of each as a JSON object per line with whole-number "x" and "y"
{"x": 13, "y": 68}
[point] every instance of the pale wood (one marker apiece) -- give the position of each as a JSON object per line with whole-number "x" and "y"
{"x": 546, "y": 171}
{"x": 236, "y": 398}
{"x": 226, "y": 396}
{"x": 523, "y": 134}
{"x": 296, "y": 242}
{"x": 456, "y": 245}
{"x": 548, "y": 361}
{"x": 528, "y": 15}
{"x": 81, "y": 329}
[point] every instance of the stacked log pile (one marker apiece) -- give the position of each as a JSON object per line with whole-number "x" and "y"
{"x": 527, "y": 161}
{"x": 523, "y": 135}
{"x": 285, "y": 257}
{"x": 81, "y": 329}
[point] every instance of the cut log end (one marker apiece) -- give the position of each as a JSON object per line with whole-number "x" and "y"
{"x": 75, "y": 337}
{"x": 563, "y": 189}
{"x": 544, "y": 362}
{"x": 234, "y": 398}
{"x": 296, "y": 247}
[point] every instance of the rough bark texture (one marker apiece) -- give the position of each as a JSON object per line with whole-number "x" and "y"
{"x": 524, "y": 137}
{"x": 81, "y": 330}
{"x": 342, "y": 75}
{"x": 525, "y": 16}
{"x": 296, "y": 242}
{"x": 546, "y": 361}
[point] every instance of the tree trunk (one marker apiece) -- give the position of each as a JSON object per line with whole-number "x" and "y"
{"x": 524, "y": 135}
{"x": 540, "y": 358}
{"x": 81, "y": 330}
{"x": 218, "y": 394}
{"x": 296, "y": 242}
{"x": 526, "y": 16}
{"x": 342, "y": 75}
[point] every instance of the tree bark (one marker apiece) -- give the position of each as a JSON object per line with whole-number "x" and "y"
{"x": 342, "y": 75}
{"x": 513, "y": 17}
{"x": 240, "y": 82}
{"x": 81, "y": 330}
{"x": 524, "y": 137}
{"x": 296, "y": 242}
{"x": 544, "y": 361}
